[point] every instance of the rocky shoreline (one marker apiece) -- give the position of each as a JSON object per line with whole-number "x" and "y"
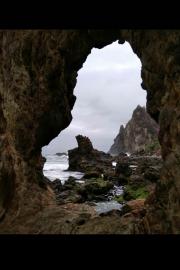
{"x": 136, "y": 175}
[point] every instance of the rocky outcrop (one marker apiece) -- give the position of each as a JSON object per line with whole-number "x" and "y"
{"x": 138, "y": 176}
{"x": 85, "y": 158}
{"x": 118, "y": 145}
{"x": 38, "y": 74}
{"x": 140, "y": 133}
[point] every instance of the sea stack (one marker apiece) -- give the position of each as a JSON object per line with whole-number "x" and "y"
{"x": 85, "y": 156}
{"x": 140, "y": 133}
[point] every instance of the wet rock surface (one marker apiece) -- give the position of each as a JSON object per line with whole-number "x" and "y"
{"x": 36, "y": 99}
{"x": 95, "y": 189}
{"x": 98, "y": 185}
{"x": 85, "y": 158}
{"x": 102, "y": 195}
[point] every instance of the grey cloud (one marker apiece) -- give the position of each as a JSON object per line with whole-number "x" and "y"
{"x": 108, "y": 90}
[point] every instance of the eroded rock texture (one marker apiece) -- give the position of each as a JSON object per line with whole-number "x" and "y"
{"x": 85, "y": 158}
{"x": 37, "y": 76}
{"x": 118, "y": 145}
{"x": 140, "y": 133}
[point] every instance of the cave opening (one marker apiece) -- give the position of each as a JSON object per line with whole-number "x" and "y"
{"x": 35, "y": 111}
{"x": 108, "y": 90}
{"x": 109, "y": 97}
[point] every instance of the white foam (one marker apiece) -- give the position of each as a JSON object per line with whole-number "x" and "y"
{"x": 103, "y": 207}
{"x": 133, "y": 166}
{"x": 55, "y": 166}
{"x": 114, "y": 163}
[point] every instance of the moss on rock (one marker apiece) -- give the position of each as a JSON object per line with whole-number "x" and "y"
{"x": 131, "y": 193}
{"x": 119, "y": 199}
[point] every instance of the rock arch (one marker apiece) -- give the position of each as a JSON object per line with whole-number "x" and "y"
{"x": 37, "y": 76}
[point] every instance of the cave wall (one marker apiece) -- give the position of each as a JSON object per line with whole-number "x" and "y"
{"x": 38, "y": 73}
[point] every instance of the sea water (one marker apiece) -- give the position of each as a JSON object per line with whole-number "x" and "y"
{"x": 56, "y": 167}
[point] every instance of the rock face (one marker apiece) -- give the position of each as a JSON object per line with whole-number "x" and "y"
{"x": 85, "y": 158}
{"x": 140, "y": 133}
{"x": 119, "y": 144}
{"x": 37, "y": 77}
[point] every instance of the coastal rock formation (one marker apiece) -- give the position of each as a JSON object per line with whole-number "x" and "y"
{"x": 118, "y": 145}
{"x": 140, "y": 133}
{"x": 38, "y": 74}
{"x": 85, "y": 158}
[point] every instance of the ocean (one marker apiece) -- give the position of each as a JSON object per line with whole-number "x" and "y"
{"x": 56, "y": 167}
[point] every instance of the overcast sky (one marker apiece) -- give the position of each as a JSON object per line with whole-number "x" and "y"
{"x": 108, "y": 89}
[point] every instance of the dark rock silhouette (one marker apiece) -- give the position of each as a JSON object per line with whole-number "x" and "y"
{"x": 61, "y": 154}
{"x": 85, "y": 158}
{"x": 140, "y": 133}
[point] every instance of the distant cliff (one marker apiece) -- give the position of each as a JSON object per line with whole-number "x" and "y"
{"x": 140, "y": 133}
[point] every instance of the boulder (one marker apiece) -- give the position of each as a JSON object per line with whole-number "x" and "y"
{"x": 152, "y": 174}
{"x": 85, "y": 158}
{"x": 123, "y": 168}
{"x": 70, "y": 183}
{"x": 123, "y": 172}
{"x": 57, "y": 185}
{"x": 94, "y": 189}
{"x": 136, "y": 207}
